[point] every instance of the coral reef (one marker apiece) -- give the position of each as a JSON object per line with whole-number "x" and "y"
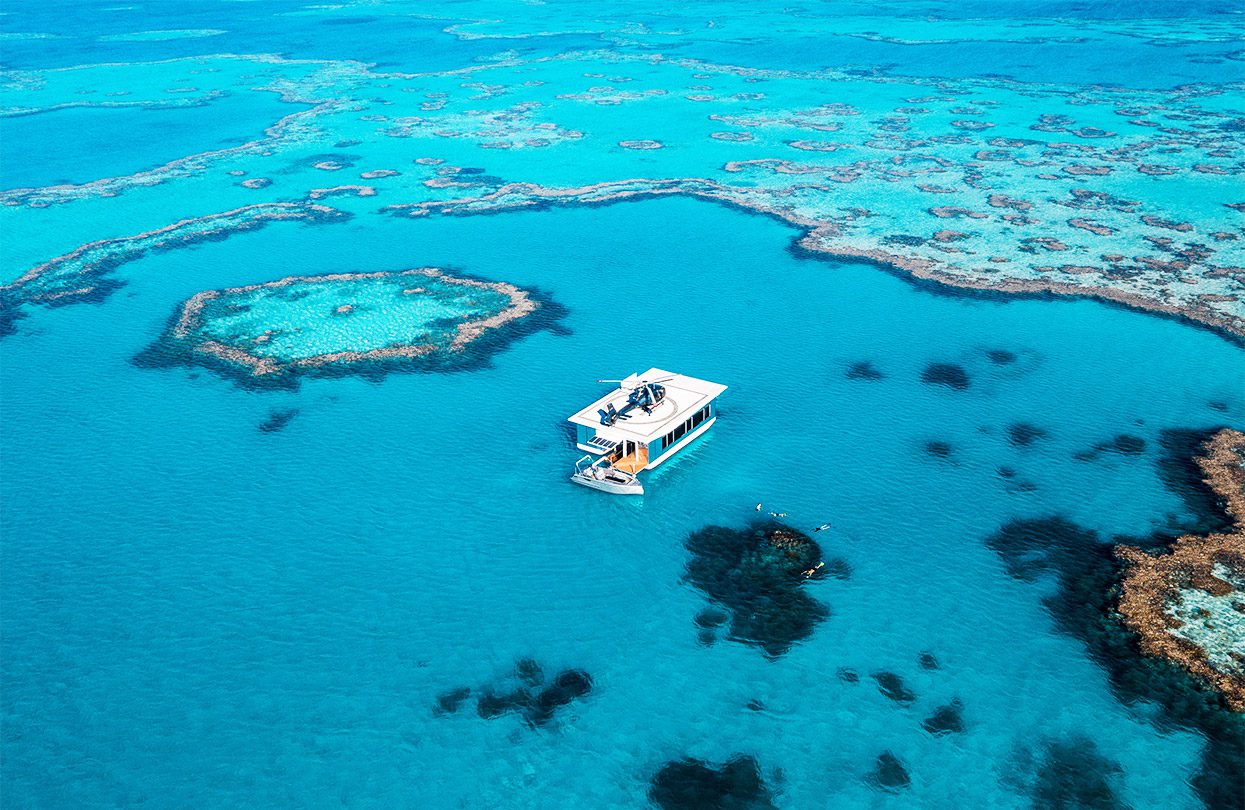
{"x": 78, "y": 276}
{"x": 306, "y": 88}
{"x": 277, "y": 419}
{"x": 756, "y": 574}
{"x": 1124, "y": 444}
{"x": 948, "y": 719}
{"x": 889, "y": 773}
{"x": 893, "y": 687}
{"x": 1144, "y": 285}
{"x": 524, "y": 691}
{"x": 947, "y": 374}
{"x": 1086, "y": 576}
{"x": 1188, "y": 603}
{"x": 693, "y": 784}
{"x": 271, "y": 333}
{"x": 1022, "y": 434}
{"x": 864, "y": 370}
{"x": 1066, "y": 773}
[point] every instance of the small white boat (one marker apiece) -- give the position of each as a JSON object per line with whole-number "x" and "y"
{"x": 598, "y": 474}
{"x": 644, "y": 422}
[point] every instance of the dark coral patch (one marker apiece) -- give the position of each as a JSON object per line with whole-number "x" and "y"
{"x": 946, "y": 374}
{"x": 520, "y": 693}
{"x": 1001, "y": 357}
{"x": 492, "y": 705}
{"x": 928, "y": 660}
{"x": 1022, "y": 434}
{"x": 889, "y": 773}
{"x": 847, "y": 675}
{"x": 1124, "y": 444}
{"x": 948, "y": 719}
{"x": 710, "y": 617}
{"x": 864, "y": 370}
{"x": 1181, "y": 474}
{"x": 938, "y": 449}
{"x": 449, "y": 702}
{"x": 893, "y": 687}
{"x": 693, "y": 784}
{"x": 277, "y": 419}
{"x": 756, "y": 575}
{"x": 566, "y": 687}
{"x": 529, "y": 671}
{"x": 1069, "y": 773}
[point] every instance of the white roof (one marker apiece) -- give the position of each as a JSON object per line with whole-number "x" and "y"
{"x": 684, "y": 396}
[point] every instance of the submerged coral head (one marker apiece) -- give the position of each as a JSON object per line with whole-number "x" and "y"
{"x": 755, "y": 574}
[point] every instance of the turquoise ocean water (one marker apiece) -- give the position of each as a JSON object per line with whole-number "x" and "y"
{"x": 195, "y": 612}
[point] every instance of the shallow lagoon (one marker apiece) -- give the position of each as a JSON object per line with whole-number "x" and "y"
{"x": 272, "y": 615}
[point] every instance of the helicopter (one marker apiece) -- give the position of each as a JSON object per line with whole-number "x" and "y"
{"x": 644, "y": 394}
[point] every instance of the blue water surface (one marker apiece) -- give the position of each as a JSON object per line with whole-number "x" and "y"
{"x": 197, "y": 612}
{"x": 228, "y": 616}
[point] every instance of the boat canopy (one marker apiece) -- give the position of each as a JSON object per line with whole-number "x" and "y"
{"x": 684, "y": 397}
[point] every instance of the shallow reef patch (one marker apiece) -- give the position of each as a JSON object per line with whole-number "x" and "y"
{"x": 1124, "y": 444}
{"x": 756, "y": 575}
{"x": 694, "y": 784}
{"x": 271, "y": 334}
{"x": 1177, "y": 466}
{"x": 80, "y": 276}
{"x": 1068, "y": 772}
{"x": 949, "y": 375}
{"x": 892, "y": 686}
{"x": 889, "y": 773}
{"x": 277, "y": 419}
{"x": 524, "y": 691}
{"x": 864, "y": 370}
{"x": 1022, "y": 434}
{"x": 946, "y": 719}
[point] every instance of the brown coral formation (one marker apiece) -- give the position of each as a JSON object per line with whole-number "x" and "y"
{"x": 1153, "y": 582}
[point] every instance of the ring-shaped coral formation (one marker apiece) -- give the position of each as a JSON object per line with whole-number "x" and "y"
{"x": 370, "y": 323}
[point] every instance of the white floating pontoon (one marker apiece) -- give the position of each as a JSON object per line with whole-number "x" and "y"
{"x": 639, "y": 425}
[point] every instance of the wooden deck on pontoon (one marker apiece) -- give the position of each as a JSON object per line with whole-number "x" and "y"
{"x": 632, "y": 463}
